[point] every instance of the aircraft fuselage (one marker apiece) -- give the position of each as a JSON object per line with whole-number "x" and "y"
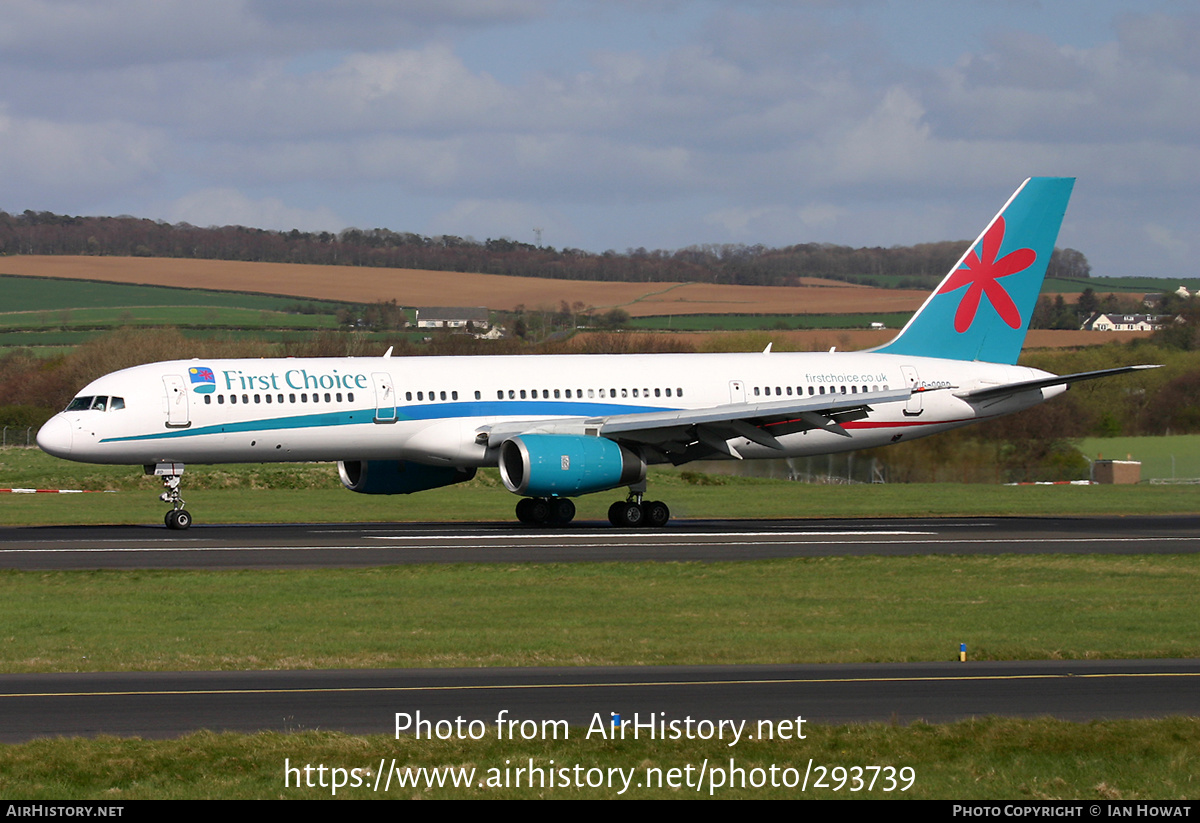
{"x": 433, "y": 409}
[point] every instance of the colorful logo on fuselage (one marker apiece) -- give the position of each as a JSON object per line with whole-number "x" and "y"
{"x": 982, "y": 273}
{"x": 203, "y": 379}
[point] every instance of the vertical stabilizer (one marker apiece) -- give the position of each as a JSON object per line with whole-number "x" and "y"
{"x": 981, "y": 310}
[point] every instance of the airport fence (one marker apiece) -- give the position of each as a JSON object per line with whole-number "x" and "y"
{"x": 17, "y": 436}
{"x": 826, "y": 469}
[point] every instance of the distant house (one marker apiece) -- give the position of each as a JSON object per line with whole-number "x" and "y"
{"x": 452, "y": 317}
{"x": 1113, "y": 321}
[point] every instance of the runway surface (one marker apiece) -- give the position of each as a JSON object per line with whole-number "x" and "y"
{"x": 366, "y": 702}
{"x": 171, "y": 704}
{"x": 300, "y": 546}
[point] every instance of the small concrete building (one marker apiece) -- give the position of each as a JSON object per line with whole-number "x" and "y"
{"x": 1121, "y": 472}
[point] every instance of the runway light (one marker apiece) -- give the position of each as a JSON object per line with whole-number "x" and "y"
{"x": 962, "y": 652}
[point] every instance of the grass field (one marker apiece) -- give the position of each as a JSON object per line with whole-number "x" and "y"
{"x": 1175, "y": 457}
{"x": 47, "y": 294}
{"x": 50, "y": 304}
{"x": 741, "y": 322}
{"x": 987, "y": 759}
{"x": 807, "y": 610}
{"x": 312, "y": 493}
{"x": 1133, "y": 285}
{"x": 47, "y": 312}
{"x": 216, "y": 317}
{"x": 412, "y": 287}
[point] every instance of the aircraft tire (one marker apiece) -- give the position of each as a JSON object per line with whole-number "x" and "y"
{"x": 656, "y": 513}
{"x": 614, "y": 512}
{"x": 523, "y": 514}
{"x": 178, "y": 520}
{"x": 539, "y": 511}
{"x": 562, "y": 511}
{"x": 630, "y": 515}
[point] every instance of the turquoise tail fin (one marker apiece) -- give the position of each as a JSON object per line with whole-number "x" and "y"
{"x": 982, "y": 308}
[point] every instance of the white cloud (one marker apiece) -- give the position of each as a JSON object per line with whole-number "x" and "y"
{"x": 759, "y": 120}
{"x": 1169, "y": 242}
{"x": 57, "y": 34}
{"x": 42, "y": 159}
{"x": 229, "y": 207}
{"x": 783, "y": 224}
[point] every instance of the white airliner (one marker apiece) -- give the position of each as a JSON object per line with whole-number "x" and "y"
{"x": 560, "y": 426}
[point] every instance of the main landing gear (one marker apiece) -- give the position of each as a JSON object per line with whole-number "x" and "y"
{"x": 545, "y": 511}
{"x": 559, "y": 511}
{"x": 634, "y": 512}
{"x": 178, "y": 518}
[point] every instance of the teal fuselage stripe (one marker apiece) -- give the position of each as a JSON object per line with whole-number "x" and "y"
{"x": 429, "y": 411}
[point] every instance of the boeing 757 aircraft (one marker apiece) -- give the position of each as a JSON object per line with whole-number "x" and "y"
{"x": 560, "y": 426}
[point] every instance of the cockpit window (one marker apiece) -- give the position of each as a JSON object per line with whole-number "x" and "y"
{"x": 96, "y": 403}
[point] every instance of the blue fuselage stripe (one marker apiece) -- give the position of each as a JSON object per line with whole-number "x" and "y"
{"x": 426, "y": 411}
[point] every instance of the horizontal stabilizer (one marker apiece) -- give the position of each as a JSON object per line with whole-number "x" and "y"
{"x": 992, "y": 392}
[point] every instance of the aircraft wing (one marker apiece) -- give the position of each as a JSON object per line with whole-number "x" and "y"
{"x": 691, "y": 434}
{"x": 1007, "y": 389}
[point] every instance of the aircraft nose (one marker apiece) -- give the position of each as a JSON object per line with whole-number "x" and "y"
{"x": 55, "y": 437}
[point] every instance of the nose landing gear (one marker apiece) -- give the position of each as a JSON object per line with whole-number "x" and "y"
{"x": 178, "y": 518}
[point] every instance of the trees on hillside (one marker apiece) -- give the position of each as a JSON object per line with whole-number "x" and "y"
{"x": 919, "y": 266}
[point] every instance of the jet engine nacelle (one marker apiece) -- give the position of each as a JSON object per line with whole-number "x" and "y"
{"x": 565, "y": 465}
{"x": 398, "y": 476}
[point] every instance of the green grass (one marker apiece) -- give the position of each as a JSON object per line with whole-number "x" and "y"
{"x": 1165, "y": 458}
{"x": 800, "y": 610}
{"x": 1132, "y": 285}
{"x": 54, "y": 295}
{"x": 311, "y": 492}
{"x": 987, "y": 759}
{"x": 197, "y": 316}
{"x": 47, "y": 312}
{"x": 743, "y": 322}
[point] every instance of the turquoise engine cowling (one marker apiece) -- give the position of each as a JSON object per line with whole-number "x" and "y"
{"x": 566, "y": 465}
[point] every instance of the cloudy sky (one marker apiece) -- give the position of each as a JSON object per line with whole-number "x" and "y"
{"x": 614, "y": 124}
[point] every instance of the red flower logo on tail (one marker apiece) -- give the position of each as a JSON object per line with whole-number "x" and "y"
{"x": 982, "y": 274}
